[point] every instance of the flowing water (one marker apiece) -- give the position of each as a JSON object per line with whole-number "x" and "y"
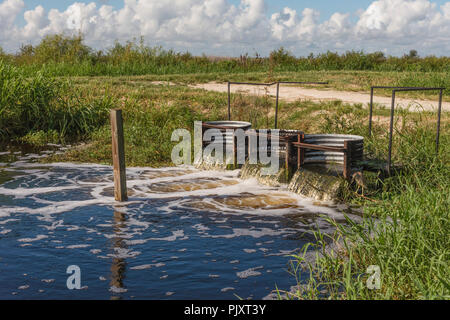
{"x": 185, "y": 233}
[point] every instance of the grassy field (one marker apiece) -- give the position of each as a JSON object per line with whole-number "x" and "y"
{"x": 410, "y": 242}
{"x": 345, "y": 80}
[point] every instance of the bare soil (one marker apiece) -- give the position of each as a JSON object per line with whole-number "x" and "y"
{"x": 291, "y": 93}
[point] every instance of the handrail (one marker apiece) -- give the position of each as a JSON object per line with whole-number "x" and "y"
{"x": 391, "y": 123}
{"x": 318, "y": 147}
{"x": 267, "y": 85}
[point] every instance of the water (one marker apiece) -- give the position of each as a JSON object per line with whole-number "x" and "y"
{"x": 183, "y": 234}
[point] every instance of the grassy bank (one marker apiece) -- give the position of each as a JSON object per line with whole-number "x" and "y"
{"x": 39, "y": 109}
{"x": 61, "y": 55}
{"x": 410, "y": 243}
{"x": 409, "y": 239}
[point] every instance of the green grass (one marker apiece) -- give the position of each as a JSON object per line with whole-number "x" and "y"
{"x": 405, "y": 231}
{"x": 338, "y": 80}
{"x": 410, "y": 241}
{"x": 40, "y": 109}
{"x": 62, "y": 55}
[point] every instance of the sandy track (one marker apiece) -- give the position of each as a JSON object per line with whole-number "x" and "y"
{"x": 290, "y": 93}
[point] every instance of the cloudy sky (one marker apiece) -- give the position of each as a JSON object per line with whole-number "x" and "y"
{"x": 233, "y": 27}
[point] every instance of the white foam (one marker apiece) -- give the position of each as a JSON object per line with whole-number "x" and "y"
{"x": 95, "y": 183}
{"x": 249, "y": 272}
{"x": 254, "y": 233}
{"x": 148, "y": 266}
{"x": 78, "y": 246}
{"x": 115, "y": 289}
{"x": 37, "y": 238}
{"x": 23, "y": 192}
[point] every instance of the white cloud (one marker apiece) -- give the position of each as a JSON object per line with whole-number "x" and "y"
{"x": 9, "y": 10}
{"x": 218, "y": 27}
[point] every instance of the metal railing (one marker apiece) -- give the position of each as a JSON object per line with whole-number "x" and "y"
{"x": 391, "y": 123}
{"x": 292, "y": 145}
{"x": 267, "y": 85}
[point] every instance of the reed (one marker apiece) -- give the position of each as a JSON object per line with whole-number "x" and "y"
{"x": 409, "y": 238}
{"x": 60, "y": 54}
{"x": 33, "y": 109}
{"x": 404, "y": 231}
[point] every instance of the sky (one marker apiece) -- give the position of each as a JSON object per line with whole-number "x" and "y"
{"x": 234, "y": 27}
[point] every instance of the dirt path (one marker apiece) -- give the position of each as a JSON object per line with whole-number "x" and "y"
{"x": 290, "y": 93}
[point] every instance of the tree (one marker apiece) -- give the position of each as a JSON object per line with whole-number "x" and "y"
{"x": 413, "y": 54}
{"x": 62, "y": 48}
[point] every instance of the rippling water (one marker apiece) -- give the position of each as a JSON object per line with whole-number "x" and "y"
{"x": 183, "y": 234}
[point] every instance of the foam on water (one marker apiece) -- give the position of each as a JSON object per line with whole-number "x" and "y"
{"x": 56, "y": 215}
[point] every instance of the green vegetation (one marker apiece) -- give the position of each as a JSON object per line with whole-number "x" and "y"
{"x": 40, "y": 109}
{"x": 409, "y": 240}
{"x": 65, "y": 55}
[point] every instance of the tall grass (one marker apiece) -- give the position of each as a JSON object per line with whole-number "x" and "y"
{"x": 405, "y": 231}
{"x": 409, "y": 238}
{"x": 65, "y": 55}
{"x": 37, "y": 108}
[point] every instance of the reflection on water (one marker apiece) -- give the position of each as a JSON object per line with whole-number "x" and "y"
{"x": 184, "y": 234}
{"x": 118, "y": 265}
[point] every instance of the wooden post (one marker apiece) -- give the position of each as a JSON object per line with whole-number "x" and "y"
{"x": 347, "y": 159}
{"x": 118, "y": 154}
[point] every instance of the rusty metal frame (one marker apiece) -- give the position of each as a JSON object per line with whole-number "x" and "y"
{"x": 283, "y": 140}
{"x": 290, "y": 143}
{"x": 346, "y": 149}
{"x": 243, "y": 83}
{"x": 391, "y": 123}
{"x": 278, "y": 94}
{"x": 267, "y": 85}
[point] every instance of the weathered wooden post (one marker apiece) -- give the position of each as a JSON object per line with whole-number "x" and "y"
{"x": 118, "y": 154}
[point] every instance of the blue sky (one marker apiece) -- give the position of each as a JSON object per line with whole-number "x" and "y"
{"x": 391, "y": 26}
{"x": 326, "y": 7}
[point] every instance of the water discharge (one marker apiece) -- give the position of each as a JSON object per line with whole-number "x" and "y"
{"x": 185, "y": 233}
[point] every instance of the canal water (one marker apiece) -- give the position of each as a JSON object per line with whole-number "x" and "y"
{"x": 183, "y": 234}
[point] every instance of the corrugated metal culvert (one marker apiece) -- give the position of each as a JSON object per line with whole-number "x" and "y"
{"x": 228, "y": 136}
{"x": 332, "y": 140}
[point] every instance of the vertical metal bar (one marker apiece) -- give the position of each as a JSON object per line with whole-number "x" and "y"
{"x": 370, "y": 111}
{"x": 438, "y": 121}
{"x": 299, "y": 152}
{"x": 118, "y": 155}
{"x": 302, "y": 151}
{"x": 229, "y": 101}
{"x": 391, "y": 130}
{"x": 276, "y": 105}
{"x": 235, "y": 164}
{"x": 347, "y": 159}
{"x": 288, "y": 151}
